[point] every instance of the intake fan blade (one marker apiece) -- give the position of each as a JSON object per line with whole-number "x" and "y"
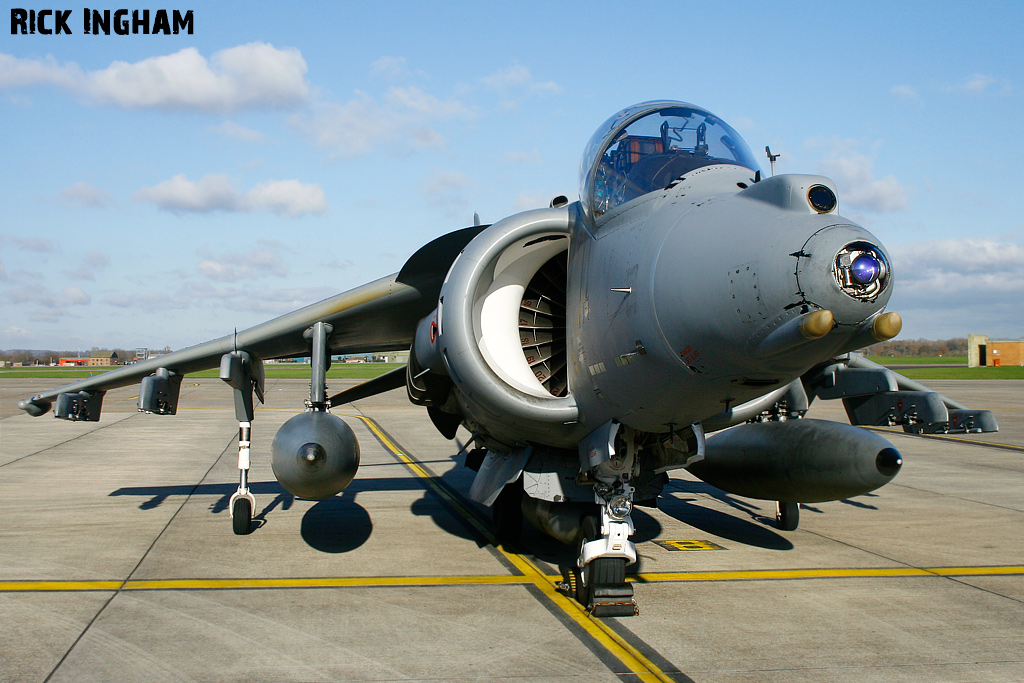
{"x": 542, "y": 325}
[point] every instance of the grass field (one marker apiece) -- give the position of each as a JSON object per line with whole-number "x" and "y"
{"x": 919, "y": 360}
{"x": 371, "y": 370}
{"x": 273, "y": 371}
{"x": 963, "y": 373}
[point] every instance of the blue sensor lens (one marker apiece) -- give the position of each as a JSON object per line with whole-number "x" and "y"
{"x": 865, "y": 269}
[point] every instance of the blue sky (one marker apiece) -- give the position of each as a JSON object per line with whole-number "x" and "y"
{"x": 164, "y": 190}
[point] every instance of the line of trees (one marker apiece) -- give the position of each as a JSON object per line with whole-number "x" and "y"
{"x": 896, "y": 347}
{"x": 918, "y": 347}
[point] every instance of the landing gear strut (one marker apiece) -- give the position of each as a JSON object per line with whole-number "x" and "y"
{"x": 242, "y": 501}
{"x": 608, "y": 458}
{"x": 243, "y": 372}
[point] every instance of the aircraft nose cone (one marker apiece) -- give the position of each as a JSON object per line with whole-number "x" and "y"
{"x": 843, "y": 268}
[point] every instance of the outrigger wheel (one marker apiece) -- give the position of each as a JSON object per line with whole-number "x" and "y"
{"x": 241, "y": 516}
{"x": 787, "y": 515}
{"x": 601, "y": 585}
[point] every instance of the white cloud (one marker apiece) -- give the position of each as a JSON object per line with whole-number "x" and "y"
{"x": 75, "y": 296}
{"x": 531, "y": 157}
{"x": 904, "y": 92}
{"x": 94, "y": 260}
{"x": 230, "y": 129}
{"x": 209, "y": 193}
{"x": 443, "y": 190}
{"x": 149, "y": 301}
{"x": 35, "y": 244}
{"x": 440, "y": 182}
{"x": 97, "y": 259}
{"x": 287, "y": 198}
{"x": 976, "y": 269}
{"x": 853, "y": 173}
{"x": 217, "y": 193}
{"x": 389, "y": 67}
{"x": 278, "y": 301}
{"x": 84, "y": 194}
{"x": 81, "y": 273}
{"x": 350, "y": 129}
{"x": 48, "y": 307}
{"x": 17, "y": 333}
{"x": 19, "y": 73}
{"x": 518, "y": 77}
{"x": 975, "y": 85}
{"x": 234, "y": 266}
{"x": 364, "y": 124}
{"x": 415, "y": 101}
{"x": 532, "y": 200}
{"x": 255, "y": 75}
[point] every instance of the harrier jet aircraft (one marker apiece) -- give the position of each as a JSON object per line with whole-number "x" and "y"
{"x": 593, "y": 346}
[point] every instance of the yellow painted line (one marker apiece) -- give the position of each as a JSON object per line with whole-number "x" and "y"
{"x": 977, "y": 571}
{"x": 945, "y": 437}
{"x": 338, "y": 582}
{"x": 773, "y": 574}
{"x": 531, "y": 575}
{"x": 41, "y": 586}
{"x": 611, "y": 641}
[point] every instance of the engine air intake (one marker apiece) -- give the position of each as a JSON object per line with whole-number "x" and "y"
{"x": 542, "y": 325}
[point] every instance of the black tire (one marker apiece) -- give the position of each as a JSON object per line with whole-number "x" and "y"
{"x": 787, "y": 516}
{"x": 602, "y": 571}
{"x": 507, "y": 512}
{"x": 241, "y": 516}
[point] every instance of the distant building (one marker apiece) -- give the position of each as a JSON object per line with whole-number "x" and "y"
{"x": 391, "y": 357}
{"x": 985, "y": 352}
{"x": 91, "y": 362}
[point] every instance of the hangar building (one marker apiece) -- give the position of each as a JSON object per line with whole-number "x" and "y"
{"x": 985, "y": 352}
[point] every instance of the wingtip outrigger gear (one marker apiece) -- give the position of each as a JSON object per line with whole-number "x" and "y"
{"x": 243, "y": 372}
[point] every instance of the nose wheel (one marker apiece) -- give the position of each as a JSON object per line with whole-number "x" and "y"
{"x": 600, "y": 581}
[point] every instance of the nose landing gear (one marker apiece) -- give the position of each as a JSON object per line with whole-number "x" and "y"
{"x": 599, "y": 578}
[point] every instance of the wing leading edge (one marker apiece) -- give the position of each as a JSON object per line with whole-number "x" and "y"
{"x": 378, "y": 316}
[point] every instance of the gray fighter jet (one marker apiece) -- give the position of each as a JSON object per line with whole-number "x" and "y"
{"x": 589, "y": 348}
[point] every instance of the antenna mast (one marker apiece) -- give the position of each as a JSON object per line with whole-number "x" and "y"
{"x": 771, "y": 157}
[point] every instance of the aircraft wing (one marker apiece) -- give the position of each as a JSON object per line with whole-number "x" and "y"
{"x": 378, "y": 316}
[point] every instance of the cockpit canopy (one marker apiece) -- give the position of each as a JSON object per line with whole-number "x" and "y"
{"x": 645, "y": 147}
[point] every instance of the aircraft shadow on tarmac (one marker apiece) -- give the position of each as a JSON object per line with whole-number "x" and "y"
{"x": 677, "y": 503}
{"x": 335, "y": 525}
{"x": 340, "y": 524}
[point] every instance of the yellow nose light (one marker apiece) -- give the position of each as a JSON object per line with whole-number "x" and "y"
{"x": 817, "y": 324}
{"x": 886, "y": 326}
